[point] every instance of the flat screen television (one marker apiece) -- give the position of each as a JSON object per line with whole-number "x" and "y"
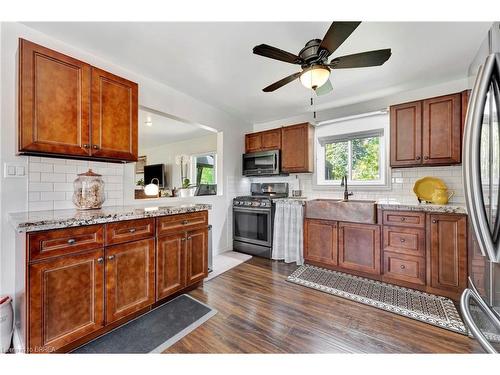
{"x": 155, "y": 171}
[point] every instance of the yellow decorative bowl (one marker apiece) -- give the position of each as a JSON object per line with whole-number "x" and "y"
{"x": 432, "y": 190}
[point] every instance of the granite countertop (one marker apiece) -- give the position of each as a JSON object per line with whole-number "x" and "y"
{"x": 44, "y": 220}
{"x": 425, "y": 207}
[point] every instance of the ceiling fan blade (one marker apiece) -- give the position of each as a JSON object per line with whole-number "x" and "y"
{"x": 361, "y": 60}
{"x": 276, "y": 54}
{"x": 325, "y": 89}
{"x": 337, "y": 34}
{"x": 282, "y": 82}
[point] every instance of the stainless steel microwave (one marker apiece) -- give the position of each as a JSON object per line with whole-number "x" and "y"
{"x": 263, "y": 163}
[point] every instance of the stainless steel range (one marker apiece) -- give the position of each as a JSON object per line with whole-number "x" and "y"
{"x": 253, "y": 217}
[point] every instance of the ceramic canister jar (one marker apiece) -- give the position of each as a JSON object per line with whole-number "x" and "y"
{"x": 88, "y": 191}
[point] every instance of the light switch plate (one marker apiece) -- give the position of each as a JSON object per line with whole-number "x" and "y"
{"x": 14, "y": 170}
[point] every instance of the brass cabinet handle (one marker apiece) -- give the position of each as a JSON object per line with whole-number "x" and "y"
{"x": 100, "y": 260}
{"x": 111, "y": 257}
{"x": 132, "y": 230}
{"x": 71, "y": 241}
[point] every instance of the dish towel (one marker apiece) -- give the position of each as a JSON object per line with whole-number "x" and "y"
{"x": 288, "y": 231}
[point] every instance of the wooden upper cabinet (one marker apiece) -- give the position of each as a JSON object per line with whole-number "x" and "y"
{"x": 442, "y": 130}
{"x": 320, "y": 241}
{"x": 359, "y": 247}
{"x": 428, "y": 132}
{"x": 406, "y": 134}
{"x": 66, "y": 299}
{"x": 297, "y": 148}
{"x": 69, "y": 108}
{"x": 54, "y": 102}
{"x": 114, "y": 116}
{"x": 448, "y": 252}
{"x": 263, "y": 141}
{"x": 130, "y": 278}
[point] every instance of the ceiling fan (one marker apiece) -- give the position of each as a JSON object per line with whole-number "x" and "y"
{"x": 313, "y": 58}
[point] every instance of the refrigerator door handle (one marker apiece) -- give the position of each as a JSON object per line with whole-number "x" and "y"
{"x": 465, "y": 299}
{"x": 487, "y": 74}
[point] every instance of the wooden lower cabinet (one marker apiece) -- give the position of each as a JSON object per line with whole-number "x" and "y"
{"x": 320, "y": 241}
{"x": 196, "y": 255}
{"x": 130, "y": 278}
{"x": 359, "y": 247}
{"x": 447, "y": 244}
{"x": 170, "y": 261}
{"x": 66, "y": 300}
{"x": 75, "y": 294}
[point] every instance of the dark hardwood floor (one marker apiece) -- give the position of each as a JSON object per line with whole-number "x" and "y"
{"x": 260, "y": 312}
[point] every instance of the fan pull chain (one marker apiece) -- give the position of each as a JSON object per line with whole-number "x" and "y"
{"x": 314, "y": 108}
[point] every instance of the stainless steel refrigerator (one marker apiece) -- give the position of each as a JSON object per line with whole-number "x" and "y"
{"x": 480, "y": 303}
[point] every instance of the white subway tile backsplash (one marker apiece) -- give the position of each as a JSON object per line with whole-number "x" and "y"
{"x": 50, "y": 182}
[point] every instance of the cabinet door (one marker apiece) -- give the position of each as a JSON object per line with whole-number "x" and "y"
{"x": 296, "y": 148}
{"x": 448, "y": 252}
{"x": 253, "y": 142}
{"x": 442, "y": 125}
{"x": 320, "y": 241}
{"x": 130, "y": 275}
{"x": 54, "y": 102}
{"x": 197, "y": 255}
{"x": 114, "y": 116}
{"x": 359, "y": 247}
{"x": 66, "y": 300}
{"x": 170, "y": 265}
{"x": 406, "y": 134}
{"x": 271, "y": 140}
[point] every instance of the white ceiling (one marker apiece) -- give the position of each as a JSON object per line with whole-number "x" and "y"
{"x": 164, "y": 130}
{"x": 214, "y": 62}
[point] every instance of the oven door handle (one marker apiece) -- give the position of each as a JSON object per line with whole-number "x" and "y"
{"x": 244, "y": 209}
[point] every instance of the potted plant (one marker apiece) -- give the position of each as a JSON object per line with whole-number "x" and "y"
{"x": 187, "y": 189}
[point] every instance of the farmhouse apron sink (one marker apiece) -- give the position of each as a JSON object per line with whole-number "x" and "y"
{"x": 355, "y": 211}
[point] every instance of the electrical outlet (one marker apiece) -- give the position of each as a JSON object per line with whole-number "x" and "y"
{"x": 14, "y": 170}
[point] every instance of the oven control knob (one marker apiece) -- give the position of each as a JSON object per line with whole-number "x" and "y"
{"x": 248, "y": 203}
{"x": 236, "y": 203}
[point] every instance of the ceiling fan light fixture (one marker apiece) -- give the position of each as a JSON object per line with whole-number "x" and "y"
{"x": 314, "y": 76}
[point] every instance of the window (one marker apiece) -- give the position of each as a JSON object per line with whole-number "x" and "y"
{"x": 361, "y": 155}
{"x": 204, "y": 170}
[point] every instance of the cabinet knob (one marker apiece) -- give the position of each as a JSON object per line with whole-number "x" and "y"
{"x": 85, "y": 145}
{"x": 403, "y": 219}
{"x": 131, "y": 230}
{"x": 71, "y": 241}
{"x": 426, "y": 158}
{"x": 417, "y": 158}
{"x": 100, "y": 260}
{"x": 111, "y": 257}
{"x": 434, "y": 221}
{"x": 189, "y": 238}
{"x": 95, "y": 147}
{"x": 185, "y": 222}
{"x": 402, "y": 266}
{"x": 183, "y": 239}
{"x": 402, "y": 240}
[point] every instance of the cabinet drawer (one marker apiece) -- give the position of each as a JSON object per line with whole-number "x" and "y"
{"x": 409, "y": 241}
{"x": 181, "y": 222}
{"x": 404, "y": 218}
{"x": 130, "y": 230}
{"x": 57, "y": 242}
{"x": 404, "y": 267}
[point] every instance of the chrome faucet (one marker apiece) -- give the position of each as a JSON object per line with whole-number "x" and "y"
{"x": 344, "y": 184}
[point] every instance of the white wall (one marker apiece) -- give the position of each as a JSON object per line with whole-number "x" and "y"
{"x": 165, "y": 154}
{"x": 152, "y": 94}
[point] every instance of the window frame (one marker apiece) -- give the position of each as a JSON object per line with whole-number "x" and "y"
{"x": 342, "y": 130}
{"x": 193, "y": 164}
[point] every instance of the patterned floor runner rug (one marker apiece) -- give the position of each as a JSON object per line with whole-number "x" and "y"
{"x": 429, "y": 308}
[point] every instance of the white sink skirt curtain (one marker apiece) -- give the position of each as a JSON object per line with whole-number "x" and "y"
{"x": 288, "y": 231}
